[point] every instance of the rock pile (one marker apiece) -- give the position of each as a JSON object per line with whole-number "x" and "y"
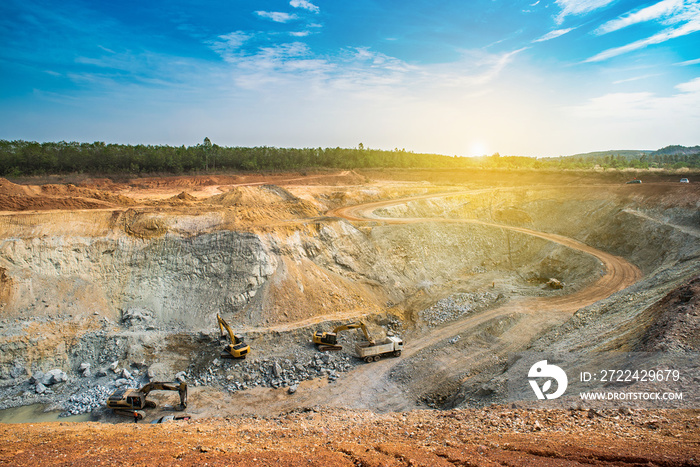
{"x": 87, "y": 400}
{"x": 455, "y": 306}
{"x": 274, "y": 373}
{"x": 41, "y": 380}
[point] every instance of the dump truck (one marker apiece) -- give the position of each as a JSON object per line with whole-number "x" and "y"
{"x": 372, "y": 352}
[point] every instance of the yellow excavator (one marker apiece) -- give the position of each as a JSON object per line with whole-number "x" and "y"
{"x": 237, "y": 348}
{"x": 329, "y": 340}
{"x": 130, "y": 401}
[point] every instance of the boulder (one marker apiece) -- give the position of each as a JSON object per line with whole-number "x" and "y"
{"x": 37, "y": 377}
{"x": 137, "y": 316}
{"x": 54, "y": 376}
{"x": 276, "y": 370}
{"x": 84, "y": 370}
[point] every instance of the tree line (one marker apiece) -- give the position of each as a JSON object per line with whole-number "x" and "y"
{"x": 22, "y": 158}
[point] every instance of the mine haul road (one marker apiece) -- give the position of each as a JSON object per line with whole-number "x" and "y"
{"x": 370, "y": 386}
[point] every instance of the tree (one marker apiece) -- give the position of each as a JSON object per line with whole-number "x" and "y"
{"x": 206, "y": 144}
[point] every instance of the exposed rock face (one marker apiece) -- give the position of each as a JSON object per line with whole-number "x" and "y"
{"x": 176, "y": 281}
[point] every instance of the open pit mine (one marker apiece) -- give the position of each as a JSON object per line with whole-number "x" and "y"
{"x": 213, "y": 300}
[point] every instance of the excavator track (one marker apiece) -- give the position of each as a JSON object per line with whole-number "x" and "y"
{"x": 332, "y": 348}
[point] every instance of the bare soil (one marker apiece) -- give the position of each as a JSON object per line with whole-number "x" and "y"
{"x": 282, "y": 255}
{"x": 489, "y": 437}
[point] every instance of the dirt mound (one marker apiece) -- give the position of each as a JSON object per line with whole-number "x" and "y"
{"x": 14, "y": 197}
{"x": 184, "y": 181}
{"x": 184, "y": 196}
{"x": 100, "y": 184}
{"x": 31, "y": 203}
{"x": 75, "y": 191}
{"x": 263, "y": 202}
{"x": 252, "y": 196}
{"x": 12, "y": 189}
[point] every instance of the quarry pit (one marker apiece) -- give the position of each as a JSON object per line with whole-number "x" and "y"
{"x": 118, "y": 282}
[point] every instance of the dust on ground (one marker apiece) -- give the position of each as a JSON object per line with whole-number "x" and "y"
{"x": 315, "y": 436}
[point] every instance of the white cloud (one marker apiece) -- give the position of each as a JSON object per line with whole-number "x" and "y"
{"x": 306, "y": 5}
{"x": 634, "y": 78}
{"x": 274, "y": 68}
{"x": 663, "y": 36}
{"x": 692, "y": 86}
{"x": 276, "y": 16}
{"x": 553, "y": 34}
{"x": 659, "y": 10}
{"x": 228, "y": 46}
{"x": 579, "y": 7}
{"x": 616, "y": 106}
{"x": 689, "y": 62}
{"x": 684, "y": 105}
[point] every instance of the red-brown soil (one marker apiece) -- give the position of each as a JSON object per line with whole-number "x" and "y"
{"x": 495, "y": 436}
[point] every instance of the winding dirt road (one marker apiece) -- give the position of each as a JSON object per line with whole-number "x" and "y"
{"x": 619, "y": 273}
{"x": 371, "y": 387}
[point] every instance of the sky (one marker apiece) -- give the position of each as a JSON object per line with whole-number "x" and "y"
{"x": 531, "y": 78}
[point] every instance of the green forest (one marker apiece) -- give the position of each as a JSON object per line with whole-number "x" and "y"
{"x": 23, "y": 158}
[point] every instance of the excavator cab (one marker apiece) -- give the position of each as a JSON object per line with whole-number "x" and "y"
{"x": 237, "y": 348}
{"x": 124, "y": 398}
{"x": 329, "y": 340}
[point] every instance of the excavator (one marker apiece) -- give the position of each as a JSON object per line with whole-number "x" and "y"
{"x": 329, "y": 340}
{"x": 237, "y": 348}
{"x": 130, "y": 401}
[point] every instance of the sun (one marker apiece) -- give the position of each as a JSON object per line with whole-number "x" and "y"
{"x": 478, "y": 148}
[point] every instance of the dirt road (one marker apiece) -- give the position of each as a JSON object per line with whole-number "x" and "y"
{"x": 371, "y": 387}
{"x": 370, "y": 384}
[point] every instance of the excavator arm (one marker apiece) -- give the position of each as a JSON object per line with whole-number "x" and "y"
{"x": 329, "y": 340}
{"x": 224, "y": 325}
{"x": 360, "y": 325}
{"x": 237, "y": 348}
{"x": 181, "y": 388}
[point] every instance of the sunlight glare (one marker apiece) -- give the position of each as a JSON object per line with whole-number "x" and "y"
{"x": 477, "y": 149}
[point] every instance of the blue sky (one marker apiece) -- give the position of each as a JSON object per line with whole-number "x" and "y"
{"x": 456, "y": 77}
